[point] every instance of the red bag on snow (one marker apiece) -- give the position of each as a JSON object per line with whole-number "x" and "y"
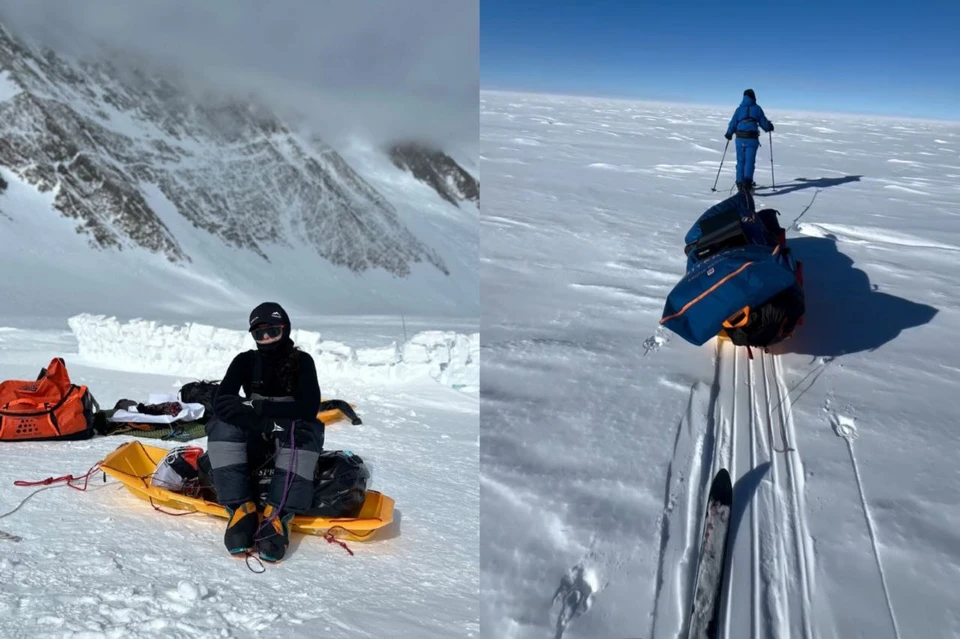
{"x": 50, "y": 407}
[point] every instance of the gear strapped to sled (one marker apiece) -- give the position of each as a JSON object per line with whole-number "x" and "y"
{"x": 742, "y": 281}
{"x": 134, "y": 464}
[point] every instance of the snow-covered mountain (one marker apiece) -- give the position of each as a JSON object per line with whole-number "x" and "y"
{"x": 221, "y": 189}
{"x": 438, "y": 170}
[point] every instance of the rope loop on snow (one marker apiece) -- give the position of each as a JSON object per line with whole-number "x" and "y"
{"x": 47, "y": 484}
{"x": 68, "y": 479}
{"x": 250, "y": 555}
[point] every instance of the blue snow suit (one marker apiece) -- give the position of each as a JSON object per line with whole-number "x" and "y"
{"x": 746, "y": 123}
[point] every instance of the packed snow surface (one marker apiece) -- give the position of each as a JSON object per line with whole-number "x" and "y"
{"x": 103, "y": 563}
{"x": 601, "y": 431}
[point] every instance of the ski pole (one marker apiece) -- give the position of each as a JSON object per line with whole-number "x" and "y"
{"x": 772, "y": 177}
{"x": 714, "y": 189}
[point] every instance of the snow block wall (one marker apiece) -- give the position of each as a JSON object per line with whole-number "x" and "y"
{"x": 204, "y": 352}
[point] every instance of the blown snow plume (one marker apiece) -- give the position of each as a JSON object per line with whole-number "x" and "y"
{"x": 204, "y": 351}
{"x": 104, "y": 139}
{"x": 742, "y": 281}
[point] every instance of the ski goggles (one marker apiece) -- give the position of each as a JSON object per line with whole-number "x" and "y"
{"x": 261, "y": 333}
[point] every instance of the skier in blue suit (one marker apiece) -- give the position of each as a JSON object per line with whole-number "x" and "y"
{"x": 746, "y": 123}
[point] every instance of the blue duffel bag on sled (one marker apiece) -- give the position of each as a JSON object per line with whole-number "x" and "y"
{"x": 742, "y": 281}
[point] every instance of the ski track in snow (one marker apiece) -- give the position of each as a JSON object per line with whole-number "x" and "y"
{"x": 803, "y": 543}
{"x": 846, "y": 428}
{"x": 768, "y": 591}
{"x": 772, "y": 596}
{"x": 687, "y": 474}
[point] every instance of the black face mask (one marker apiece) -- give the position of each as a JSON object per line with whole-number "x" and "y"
{"x": 282, "y": 344}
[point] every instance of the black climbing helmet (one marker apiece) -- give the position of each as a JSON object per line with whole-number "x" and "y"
{"x": 749, "y": 93}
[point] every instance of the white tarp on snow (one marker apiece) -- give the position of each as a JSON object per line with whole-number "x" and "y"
{"x": 188, "y": 412}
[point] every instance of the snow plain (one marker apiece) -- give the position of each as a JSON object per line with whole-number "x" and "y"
{"x": 601, "y": 431}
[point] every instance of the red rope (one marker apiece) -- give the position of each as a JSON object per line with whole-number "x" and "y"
{"x": 333, "y": 540}
{"x": 160, "y": 510}
{"x": 69, "y": 479}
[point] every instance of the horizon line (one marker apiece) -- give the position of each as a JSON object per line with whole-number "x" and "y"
{"x": 637, "y": 100}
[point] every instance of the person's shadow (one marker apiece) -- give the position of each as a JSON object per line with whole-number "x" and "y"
{"x": 806, "y": 183}
{"x": 845, "y": 313}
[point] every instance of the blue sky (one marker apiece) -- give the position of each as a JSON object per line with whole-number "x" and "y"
{"x": 849, "y": 56}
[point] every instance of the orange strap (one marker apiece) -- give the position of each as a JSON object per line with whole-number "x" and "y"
{"x": 704, "y": 294}
{"x": 740, "y": 323}
{"x": 699, "y": 297}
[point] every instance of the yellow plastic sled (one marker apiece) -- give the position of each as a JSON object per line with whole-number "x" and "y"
{"x": 134, "y": 463}
{"x": 330, "y": 416}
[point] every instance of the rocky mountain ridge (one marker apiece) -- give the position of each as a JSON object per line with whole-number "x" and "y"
{"x": 122, "y": 150}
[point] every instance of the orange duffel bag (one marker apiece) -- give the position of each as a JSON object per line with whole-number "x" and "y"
{"x": 49, "y": 408}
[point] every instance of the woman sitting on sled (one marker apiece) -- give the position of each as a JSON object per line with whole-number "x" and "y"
{"x": 275, "y": 418}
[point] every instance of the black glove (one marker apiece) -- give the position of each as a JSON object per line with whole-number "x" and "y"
{"x": 771, "y": 127}
{"x": 231, "y": 407}
{"x": 303, "y": 431}
{"x": 729, "y": 136}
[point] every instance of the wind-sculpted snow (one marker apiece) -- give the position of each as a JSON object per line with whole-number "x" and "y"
{"x": 601, "y": 430}
{"x": 205, "y": 351}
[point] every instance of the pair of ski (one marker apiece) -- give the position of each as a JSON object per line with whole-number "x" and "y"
{"x": 705, "y": 611}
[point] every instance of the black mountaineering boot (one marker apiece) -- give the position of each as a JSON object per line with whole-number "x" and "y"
{"x": 274, "y": 536}
{"x": 241, "y": 528}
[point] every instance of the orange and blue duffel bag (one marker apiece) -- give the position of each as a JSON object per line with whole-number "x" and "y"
{"x": 742, "y": 281}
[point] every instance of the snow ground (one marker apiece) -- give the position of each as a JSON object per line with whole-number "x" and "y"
{"x": 105, "y": 564}
{"x": 601, "y": 431}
